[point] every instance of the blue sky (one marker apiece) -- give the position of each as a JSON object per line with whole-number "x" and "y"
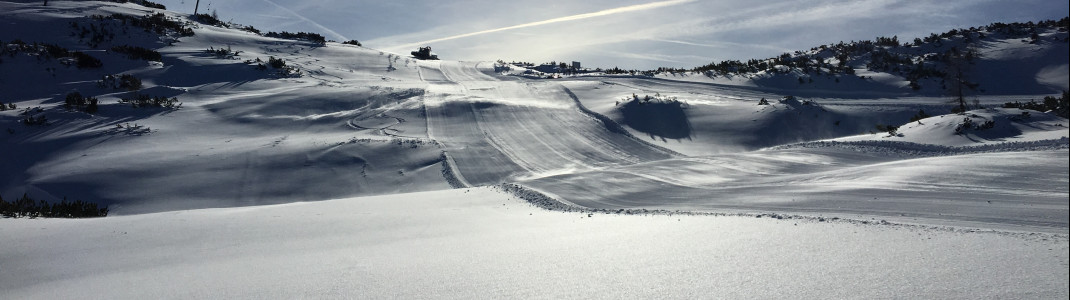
{"x": 629, "y": 33}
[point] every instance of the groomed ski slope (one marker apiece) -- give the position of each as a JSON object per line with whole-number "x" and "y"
{"x": 530, "y": 132}
{"x": 498, "y": 131}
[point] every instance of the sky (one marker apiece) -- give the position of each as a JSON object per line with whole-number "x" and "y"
{"x": 633, "y": 34}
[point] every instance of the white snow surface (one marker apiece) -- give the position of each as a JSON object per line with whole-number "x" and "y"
{"x": 480, "y": 243}
{"x": 698, "y": 193}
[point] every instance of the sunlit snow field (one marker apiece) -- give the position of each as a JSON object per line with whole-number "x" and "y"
{"x": 374, "y": 175}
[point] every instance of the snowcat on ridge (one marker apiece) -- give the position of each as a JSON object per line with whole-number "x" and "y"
{"x": 424, "y": 53}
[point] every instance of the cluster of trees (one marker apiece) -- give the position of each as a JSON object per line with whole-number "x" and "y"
{"x": 945, "y": 57}
{"x": 35, "y": 120}
{"x": 144, "y": 3}
{"x": 44, "y": 51}
{"x": 1061, "y": 105}
{"x": 250, "y": 29}
{"x": 143, "y": 100}
{"x": 213, "y": 20}
{"x": 30, "y": 208}
{"x": 968, "y": 124}
{"x": 275, "y": 63}
{"x": 892, "y": 130}
{"x": 308, "y": 36}
{"x": 209, "y": 19}
{"x": 75, "y": 101}
{"x": 222, "y": 52}
{"x": 616, "y": 70}
{"x": 9, "y": 106}
{"x": 95, "y": 34}
{"x": 84, "y": 61}
{"x": 157, "y": 23}
{"x": 646, "y": 99}
{"x": 122, "y": 81}
{"x": 136, "y": 52}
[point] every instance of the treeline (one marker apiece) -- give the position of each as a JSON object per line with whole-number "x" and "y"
{"x": 308, "y": 36}
{"x": 157, "y": 23}
{"x": 30, "y": 208}
{"x": 75, "y": 101}
{"x": 1060, "y": 106}
{"x": 883, "y": 54}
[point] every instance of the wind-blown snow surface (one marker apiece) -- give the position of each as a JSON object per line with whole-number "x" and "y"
{"x": 358, "y": 122}
{"x": 479, "y": 243}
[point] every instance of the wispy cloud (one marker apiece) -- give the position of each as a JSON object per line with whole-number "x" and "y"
{"x": 607, "y": 12}
{"x": 303, "y": 18}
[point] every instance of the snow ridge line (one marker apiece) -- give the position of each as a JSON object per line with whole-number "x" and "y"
{"x": 615, "y": 127}
{"x": 917, "y": 149}
{"x": 543, "y": 200}
{"x": 453, "y": 177}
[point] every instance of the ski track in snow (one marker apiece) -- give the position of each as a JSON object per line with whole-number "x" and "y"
{"x": 574, "y": 157}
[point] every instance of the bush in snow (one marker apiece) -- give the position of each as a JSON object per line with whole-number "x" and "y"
{"x": 966, "y": 124}
{"x": 86, "y": 61}
{"x": 143, "y": 100}
{"x": 920, "y": 115}
{"x": 75, "y": 101}
{"x": 123, "y": 81}
{"x": 276, "y": 63}
{"x": 352, "y": 42}
{"x": 222, "y": 53}
{"x": 250, "y": 29}
{"x": 31, "y": 120}
{"x": 135, "y": 52}
{"x": 890, "y": 129}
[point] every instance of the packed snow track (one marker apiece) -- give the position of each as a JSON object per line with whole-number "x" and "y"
{"x": 498, "y": 131}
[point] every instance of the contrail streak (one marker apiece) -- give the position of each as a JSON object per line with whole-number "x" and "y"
{"x": 295, "y": 14}
{"x": 600, "y": 13}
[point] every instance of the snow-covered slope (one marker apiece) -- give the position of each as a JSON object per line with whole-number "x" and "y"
{"x": 424, "y": 159}
{"x": 977, "y": 127}
{"x": 341, "y": 121}
{"x": 344, "y": 126}
{"x": 479, "y": 243}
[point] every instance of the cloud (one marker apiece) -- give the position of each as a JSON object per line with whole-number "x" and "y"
{"x": 601, "y": 13}
{"x": 303, "y": 18}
